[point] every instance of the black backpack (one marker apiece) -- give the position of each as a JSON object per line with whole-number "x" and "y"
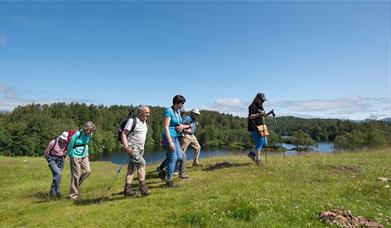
{"x": 122, "y": 126}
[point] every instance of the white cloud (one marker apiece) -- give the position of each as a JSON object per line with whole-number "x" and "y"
{"x": 355, "y": 107}
{"x": 227, "y": 105}
{"x": 10, "y": 99}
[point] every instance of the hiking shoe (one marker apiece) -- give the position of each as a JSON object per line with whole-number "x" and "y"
{"x": 73, "y": 197}
{"x": 144, "y": 189}
{"x": 196, "y": 164}
{"x": 170, "y": 184}
{"x": 252, "y": 156}
{"x": 53, "y": 196}
{"x": 183, "y": 176}
{"x": 128, "y": 191}
{"x": 162, "y": 174}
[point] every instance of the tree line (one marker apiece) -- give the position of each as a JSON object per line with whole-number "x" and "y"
{"x": 28, "y": 129}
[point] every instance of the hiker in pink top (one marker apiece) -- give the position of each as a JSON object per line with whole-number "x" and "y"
{"x": 54, "y": 154}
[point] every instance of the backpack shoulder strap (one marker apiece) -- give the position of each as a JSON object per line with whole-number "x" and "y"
{"x": 80, "y": 131}
{"x": 133, "y": 126}
{"x": 55, "y": 142}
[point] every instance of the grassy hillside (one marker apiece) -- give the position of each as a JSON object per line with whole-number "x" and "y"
{"x": 225, "y": 192}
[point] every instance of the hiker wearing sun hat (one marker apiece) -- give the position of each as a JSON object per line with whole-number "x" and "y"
{"x": 189, "y": 139}
{"x": 54, "y": 154}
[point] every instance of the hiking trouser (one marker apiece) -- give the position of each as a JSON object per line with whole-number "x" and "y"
{"x": 191, "y": 140}
{"x": 80, "y": 170}
{"x": 181, "y": 165}
{"x": 173, "y": 157}
{"x": 163, "y": 165}
{"x": 56, "y": 165}
{"x": 260, "y": 142}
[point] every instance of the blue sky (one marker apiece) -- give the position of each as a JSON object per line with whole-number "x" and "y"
{"x": 311, "y": 59}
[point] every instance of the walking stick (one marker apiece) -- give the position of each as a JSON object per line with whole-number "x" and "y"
{"x": 279, "y": 133}
{"x": 118, "y": 171}
{"x": 264, "y": 135}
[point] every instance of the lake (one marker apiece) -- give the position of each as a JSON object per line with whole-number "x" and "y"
{"x": 157, "y": 155}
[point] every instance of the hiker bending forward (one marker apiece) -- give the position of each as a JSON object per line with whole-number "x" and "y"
{"x": 133, "y": 143}
{"x": 78, "y": 154}
{"x": 54, "y": 154}
{"x": 255, "y": 118}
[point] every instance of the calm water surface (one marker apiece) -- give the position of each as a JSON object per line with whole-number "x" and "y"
{"x": 158, "y": 155}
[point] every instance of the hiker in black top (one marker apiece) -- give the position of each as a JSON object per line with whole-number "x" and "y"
{"x": 256, "y": 114}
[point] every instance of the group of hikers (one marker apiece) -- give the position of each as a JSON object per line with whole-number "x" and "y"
{"x": 178, "y": 134}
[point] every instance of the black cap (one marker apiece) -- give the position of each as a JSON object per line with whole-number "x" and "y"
{"x": 261, "y": 96}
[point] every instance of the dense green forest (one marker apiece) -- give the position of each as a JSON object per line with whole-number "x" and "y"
{"x": 28, "y": 129}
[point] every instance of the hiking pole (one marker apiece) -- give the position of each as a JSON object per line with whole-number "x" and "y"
{"x": 279, "y": 132}
{"x": 264, "y": 135}
{"x": 118, "y": 171}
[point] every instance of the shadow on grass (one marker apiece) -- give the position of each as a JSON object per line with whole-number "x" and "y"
{"x": 222, "y": 165}
{"x": 43, "y": 197}
{"x": 97, "y": 201}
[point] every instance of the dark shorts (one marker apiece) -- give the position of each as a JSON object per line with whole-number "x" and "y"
{"x": 136, "y": 160}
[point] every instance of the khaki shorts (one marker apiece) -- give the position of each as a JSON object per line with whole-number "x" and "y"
{"x": 136, "y": 160}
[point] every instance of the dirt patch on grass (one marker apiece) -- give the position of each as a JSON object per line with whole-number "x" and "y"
{"x": 346, "y": 169}
{"x": 346, "y": 219}
{"x": 220, "y": 165}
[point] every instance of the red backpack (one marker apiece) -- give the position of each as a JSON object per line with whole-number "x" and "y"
{"x": 70, "y": 135}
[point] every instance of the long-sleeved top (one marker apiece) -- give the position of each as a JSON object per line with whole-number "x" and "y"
{"x": 55, "y": 148}
{"x": 78, "y": 146}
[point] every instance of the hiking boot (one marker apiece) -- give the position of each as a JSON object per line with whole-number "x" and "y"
{"x": 183, "y": 176}
{"x": 144, "y": 189}
{"x": 258, "y": 162}
{"x": 53, "y": 196}
{"x": 252, "y": 156}
{"x": 162, "y": 174}
{"x": 73, "y": 197}
{"x": 170, "y": 184}
{"x": 128, "y": 191}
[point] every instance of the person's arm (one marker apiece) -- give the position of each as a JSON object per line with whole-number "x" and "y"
{"x": 124, "y": 140}
{"x": 255, "y": 112}
{"x": 256, "y": 115}
{"x": 270, "y": 113}
{"x": 124, "y": 136}
{"x": 50, "y": 146}
{"x": 166, "y": 125}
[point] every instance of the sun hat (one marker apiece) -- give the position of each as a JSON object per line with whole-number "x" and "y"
{"x": 64, "y": 135}
{"x": 195, "y": 111}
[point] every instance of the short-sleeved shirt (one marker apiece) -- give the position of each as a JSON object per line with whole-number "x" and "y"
{"x": 176, "y": 119}
{"x": 254, "y": 109}
{"x": 189, "y": 120}
{"x": 139, "y": 134}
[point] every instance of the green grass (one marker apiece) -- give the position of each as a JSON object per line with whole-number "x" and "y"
{"x": 286, "y": 192}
